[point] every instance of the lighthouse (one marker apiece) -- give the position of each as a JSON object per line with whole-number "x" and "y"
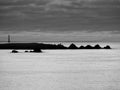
{"x": 8, "y": 38}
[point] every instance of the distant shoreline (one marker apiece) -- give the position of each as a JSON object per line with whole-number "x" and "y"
{"x": 48, "y": 46}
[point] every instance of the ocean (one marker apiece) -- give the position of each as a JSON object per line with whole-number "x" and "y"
{"x": 62, "y": 69}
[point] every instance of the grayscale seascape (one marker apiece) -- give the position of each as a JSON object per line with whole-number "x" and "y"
{"x": 59, "y": 44}
{"x": 61, "y": 69}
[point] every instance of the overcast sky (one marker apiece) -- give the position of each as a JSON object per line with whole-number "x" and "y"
{"x": 60, "y": 20}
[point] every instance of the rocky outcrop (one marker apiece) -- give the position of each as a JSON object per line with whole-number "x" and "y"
{"x": 14, "y": 51}
{"x": 107, "y": 47}
{"x": 36, "y": 47}
{"x": 72, "y": 46}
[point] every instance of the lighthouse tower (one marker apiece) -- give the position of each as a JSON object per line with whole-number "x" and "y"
{"x": 9, "y": 39}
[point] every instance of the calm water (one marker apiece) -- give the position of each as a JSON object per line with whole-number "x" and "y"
{"x": 61, "y": 69}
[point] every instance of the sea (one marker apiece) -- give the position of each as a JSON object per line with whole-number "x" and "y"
{"x": 62, "y": 69}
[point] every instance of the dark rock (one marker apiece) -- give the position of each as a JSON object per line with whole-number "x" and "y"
{"x": 73, "y": 46}
{"x": 88, "y": 47}
{"x": 26, "y": 51}
{"x": 107, "y": 47}
{"x": 60, "y": 46}
{"x": 31, "y": 51}
{"x": 37, "y": 50}
{"x": 81, "y": 47}
{"x": 14, "y": 51}
{"x": 97, "y": 46}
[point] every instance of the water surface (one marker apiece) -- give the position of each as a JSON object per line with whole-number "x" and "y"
{"x": 61, "y": 70}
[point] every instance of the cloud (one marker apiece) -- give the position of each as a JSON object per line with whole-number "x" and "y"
{"x": 70, "y": 19}
{"x": 60, "y": 15}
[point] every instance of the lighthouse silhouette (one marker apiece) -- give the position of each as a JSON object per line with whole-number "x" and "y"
{"x": 9, "y": 39}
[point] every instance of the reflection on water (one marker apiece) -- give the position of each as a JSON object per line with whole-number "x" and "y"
{"x": 60, "y": 70}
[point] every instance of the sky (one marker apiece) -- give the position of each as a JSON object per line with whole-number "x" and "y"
{"x": 60, "y": 20}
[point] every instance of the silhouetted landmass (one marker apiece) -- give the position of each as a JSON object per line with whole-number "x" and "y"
{"x": 88, "y": 47}
{"x": 97, "y": 46}
{"x": 37, "y": 50}
{"x": 26, "y": 51}
{"x": 81, "y": 47}
{"x": 72, "y": 46}
{"x": 36, "y": 47}
{"x": 14, "y": 51}
{"x": 107, "y": 47}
